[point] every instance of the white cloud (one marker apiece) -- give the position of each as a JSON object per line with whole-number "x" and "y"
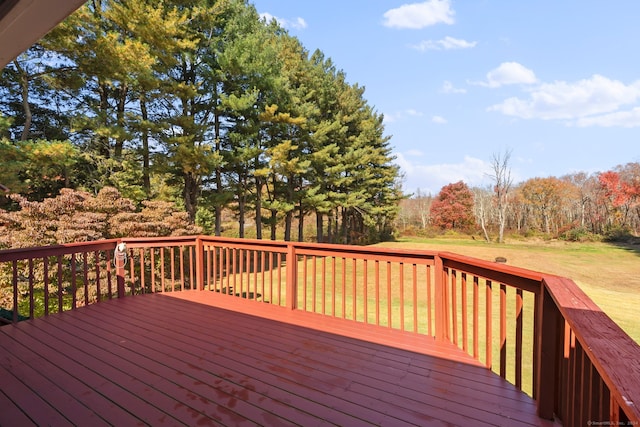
{"x": 446, "y": 43}
{"x": 431, "y": 178}
{"x": 439, "y": 120}
{"x": 420, "y": 15}
{"x": 626, "y": 119}
{"x": 296, "y": 23}
{"x": 509, "y": 73}
{"x": 447, "y": 87}
{"x": 401, "y": 115}
{"x": 578, "y": 100}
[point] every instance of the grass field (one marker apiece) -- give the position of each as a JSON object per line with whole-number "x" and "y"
{"x": 608, "y": 273}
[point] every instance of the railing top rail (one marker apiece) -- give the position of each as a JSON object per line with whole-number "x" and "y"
{"x": 509, "y": 275}
{"x": 54, "y": 250}
{"x": 325, "y": 248}
{"x": 614, "y": 354}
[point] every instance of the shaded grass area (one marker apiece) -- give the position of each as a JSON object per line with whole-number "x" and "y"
{"x": 608, "y": 273}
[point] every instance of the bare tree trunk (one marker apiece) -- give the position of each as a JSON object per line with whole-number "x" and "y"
{"x": 503, "y": 181}
{"x": 319, "y": 227}
{"x": 300, "y": 223}
{"x": 190, "y": 194}
{"x": 258, "y": 207}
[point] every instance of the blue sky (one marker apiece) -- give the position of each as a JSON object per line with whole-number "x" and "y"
{"x": 555, "y": 82}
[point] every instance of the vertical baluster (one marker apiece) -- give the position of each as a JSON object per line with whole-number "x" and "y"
{"x": 314, "y": 268}
{"x": 242, "y": 273}
{"x": 344, "y": 287}
{"x": 365, "y": 284}
{"x": 488, "y": 324}
{"x": 172, "y": 254}
{"x": 446, "y": 312}
{"x": 304, "y": 283}
{"x": 46, "y": 285}
{"x": 162, "y": 272}
{"x": 571, "y": 379}
{"x": 454, "y": 305}
{"x": 323, "y": 279}
{"x": 566, "y": 370}
{"x": 74, "y": 299}
{"x": 182, "y": 277}
{"x": 606, "y": 404}
{"x": 96, "y": 259}
{"x": 429, "y": 302}
{"x": 143, "y": 285}
{"x": 14, "y": 281}
{"x": 152, "y": 256}
{"x": 519, "y": 327}
{"x": 241, "y": 266}
{"x": 31, "y": 283}
{"x": 601, "y": 388}
{"x": 414, "y": 300}
{"x": 333, "y": 286}
{"x": 389, "y": 317}
{"x": 578, "y": 385}
{"x": 271, "y": 278}
{"x": 354, "y": 291}
{"x": 503, "y": 330}
{"x": 256, "y": 294}
{"x": 192, "y": 282}
{"x": 536, "y": 350}
{"x": 262, "y": 268}
{"x": 85, "y": 277}
{"x": 476, "y": 320}
{"x": 465, "y": 324}
{"x": 279, "y": 275}
{"x": 401, "y": 268}
{"x": 377, "y": 279}
{"x": 208, "y": 265}
{"x": 60, "y": 287}
{"x": 109, "y": 281}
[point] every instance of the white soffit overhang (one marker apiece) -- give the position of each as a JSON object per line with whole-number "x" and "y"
{"x": 24, "y": 22}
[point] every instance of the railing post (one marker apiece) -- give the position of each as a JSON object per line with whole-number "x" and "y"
{"x": 120, "y": 258}
{"x": 545, "y": 383}
{"x": 199, "y": 263}
{"x": 440, "y": 311}
{"x": 292, "y": 276}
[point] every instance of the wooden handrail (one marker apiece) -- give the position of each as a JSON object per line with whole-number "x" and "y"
{"x": 580, "y": 358}
{"x": 608, "y": 350}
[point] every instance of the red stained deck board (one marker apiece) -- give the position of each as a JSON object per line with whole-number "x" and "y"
{"x": 378, "y": 374}
{"x": 58, "y": 398}
{"x": 179, "y": 359}
{"x": 175, "y": 374}
{"x": 110, "y": 412}
{"x": 233, "y": 370}
{"x": 11, "y": 414}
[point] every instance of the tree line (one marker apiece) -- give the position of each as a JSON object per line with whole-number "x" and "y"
{"x": 204, "y": 104}
{"x": 578, "y": 206}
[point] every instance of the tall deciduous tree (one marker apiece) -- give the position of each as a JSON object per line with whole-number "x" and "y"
{"x": 545, "y": 195}
{"x": 502, "y": 186}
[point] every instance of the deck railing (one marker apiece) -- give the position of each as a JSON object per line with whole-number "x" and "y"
{"x": 540, "y": 332}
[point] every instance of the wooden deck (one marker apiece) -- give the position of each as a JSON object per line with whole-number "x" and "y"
{"x": 200, "y": 358}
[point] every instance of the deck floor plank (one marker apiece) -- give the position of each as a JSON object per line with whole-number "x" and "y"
{"x": 31, "y": 351}
{"x": 201, "y": 357}
{"x": 12, "y": 415}
{"x": 378, "y": 374}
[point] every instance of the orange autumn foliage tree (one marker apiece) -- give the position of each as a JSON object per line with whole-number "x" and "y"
{"x": 78, "y": 216}
{"x": 453, "y": 207}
